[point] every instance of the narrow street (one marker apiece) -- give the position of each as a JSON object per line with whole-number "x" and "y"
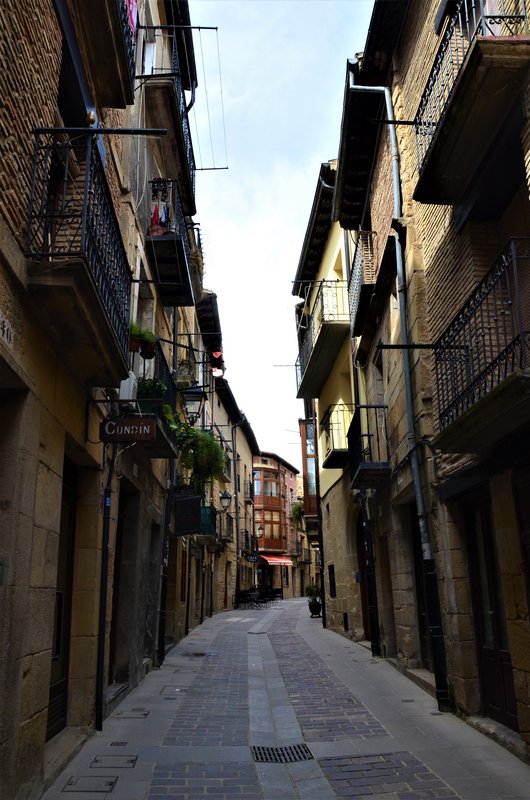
{"x": 265, "y": 703}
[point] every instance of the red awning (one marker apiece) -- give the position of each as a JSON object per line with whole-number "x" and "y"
{"x": 281, "y": 561}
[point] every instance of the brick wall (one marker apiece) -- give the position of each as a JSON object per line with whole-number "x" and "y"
{"x": 30, "y": 59}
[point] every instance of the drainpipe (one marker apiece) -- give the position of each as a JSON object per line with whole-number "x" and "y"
{"x": 102, "y": 620}
{"x": 319, "y": 521}
{"x": 429, "y": 569}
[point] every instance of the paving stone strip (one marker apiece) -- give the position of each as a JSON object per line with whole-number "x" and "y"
{"x": 214, "y": 710}
{"x": 392, "y": 776}
{"x": 194, "y": 781}
{"x": 325, "y": 708}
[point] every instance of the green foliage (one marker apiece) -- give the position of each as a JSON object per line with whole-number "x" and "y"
{"x": 200, "y": 453}
{"x": 297, "y": 515}
{"x": 142, "y": 333}
{"x": 312, "y": 591}
{"x": 169, "y": 416}
{"x": 150, "y": 387}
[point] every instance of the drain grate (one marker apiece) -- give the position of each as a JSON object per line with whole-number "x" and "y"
{"x": 282, "y": 755}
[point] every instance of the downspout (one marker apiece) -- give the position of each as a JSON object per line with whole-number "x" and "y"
{"x": 236, "y": 503}
{"x": 319, "y": 521}
{"x": 103, "y": 584}
{"x": 429, "y": 569}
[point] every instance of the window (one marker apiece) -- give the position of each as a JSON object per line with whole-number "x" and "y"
{"x": 332, "y": 585}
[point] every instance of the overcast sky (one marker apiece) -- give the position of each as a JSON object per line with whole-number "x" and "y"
{"x": 269, "y": 107}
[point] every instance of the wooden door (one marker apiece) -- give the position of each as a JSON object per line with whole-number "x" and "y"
{"x": 495, "y": 666}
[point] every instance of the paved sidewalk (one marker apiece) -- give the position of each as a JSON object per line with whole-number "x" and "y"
{"x": 267, "y": 705}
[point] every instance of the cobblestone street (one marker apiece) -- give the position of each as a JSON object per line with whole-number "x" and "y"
{"x": 267, "y": 704}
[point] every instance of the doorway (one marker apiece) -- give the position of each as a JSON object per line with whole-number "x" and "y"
{"x": 58, "y": 697}
{"x": 494, "y": 661}
{"x": 363, "y": 577}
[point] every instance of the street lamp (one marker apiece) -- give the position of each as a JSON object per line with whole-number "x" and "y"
{"x": 260, "y": 531}
{"x": 193, "y": 398}
{"x": 226, "y": 499}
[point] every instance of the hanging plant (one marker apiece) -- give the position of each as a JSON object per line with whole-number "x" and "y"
{"x": 201, "y": 454}
{"x": 297, "y": 516}
{"x": 151, "y": 388}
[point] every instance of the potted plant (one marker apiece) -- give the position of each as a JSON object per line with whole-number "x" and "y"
{"x": 135, "y": 337}
{"x": 142, "y": 340}
{"x": 149, "y": 394}
{"x": 312, "y": 592}
{"x": 148, "y": 344}
{"x": 200, "y": 454}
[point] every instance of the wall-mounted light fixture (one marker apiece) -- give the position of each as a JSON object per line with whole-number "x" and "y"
{"x": 225, "y": 499}
{"x": 193, "y": 398}
{"x": 260, "y": 531}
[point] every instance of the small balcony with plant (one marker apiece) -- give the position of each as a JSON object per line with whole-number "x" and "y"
{"x": 78, "y": 273}
{"x": 156, "y": 396}
{"x": 469, "y": 100}
{"x": 168, "y": 70}
{"x": 175, "y": 258}
{"x": 482, "y": 359}
{"x": 368, "y": 447}
{"x": 327, "y": 323}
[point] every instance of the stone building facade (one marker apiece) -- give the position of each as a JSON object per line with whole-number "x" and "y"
{"x": 113, "y": 544}
{"x": 431, "y": 193}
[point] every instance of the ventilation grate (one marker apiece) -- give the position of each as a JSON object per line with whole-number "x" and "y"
{"x": 282, "y": 755}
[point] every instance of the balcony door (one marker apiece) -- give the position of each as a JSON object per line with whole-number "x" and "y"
{"x": 495, "y": 666}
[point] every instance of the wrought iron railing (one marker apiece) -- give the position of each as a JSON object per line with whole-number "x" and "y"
{"x": 165, "y": 63}
{"x": 249, "y": 490}
{"x": 129, "y": 36}
{"x": 334, "y": 427}
{"x": 187, "y": 358}
{"x": 489, "y": 339}
{"x": 367, "y": 436}
{"x": 330, "y": 306}
{"x": 227, "y": 527}
{"x": 157, "y": 373}
{"x": 166, "y": 216}
{"x": 362, "y": 272}
{"x": 471, "y": 18}
{"x": 71, "y": 216}
{"x": 210, "y": 522}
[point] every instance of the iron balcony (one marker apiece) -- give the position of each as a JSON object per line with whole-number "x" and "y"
{"x": 334, "y": 428}
{"x": 177, "y": 274}
{"x": 482, "y": 359}
{"x": 328, "y": 323}
{"x": 166, "y": 108}
{"x": 110, "y": 39}
{"x": 368, "y": 446}
{"x": 78, "y": 269}
{"x": 361, "y": 281}
{"x": 478, "y": 74}
{"x": 165, "y": 445}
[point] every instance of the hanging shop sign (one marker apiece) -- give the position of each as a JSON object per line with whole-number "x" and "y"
{"x": 128, "y": 429}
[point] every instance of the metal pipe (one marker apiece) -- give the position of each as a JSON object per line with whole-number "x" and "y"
{"x": 429, "y": 570}
{"x": 103, "y": 583}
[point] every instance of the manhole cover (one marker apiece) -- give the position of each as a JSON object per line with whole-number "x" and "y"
{"x": 170, "y": 691}
{"x": 134, "y": 713}
{"x": 88, "y": 784}
{"x": 282, "y": 755}
{"x": 114, "y": 761}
